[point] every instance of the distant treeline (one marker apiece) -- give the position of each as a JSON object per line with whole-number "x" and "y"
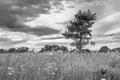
{"x": 50, "y": 48}
{"x": 56, "y": 48}
{"x": 15, "y": 50}
{"x": 107, "y": 49}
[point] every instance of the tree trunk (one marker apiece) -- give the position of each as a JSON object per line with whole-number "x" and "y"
{"x": 80, "y": 44}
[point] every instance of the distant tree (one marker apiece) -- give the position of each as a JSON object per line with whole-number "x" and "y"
{"x": 42, "y": 50}
{"x": 73, "y": 50}
{"x": 104, "y": 49}
{"x": 86, "y": 51}
{"x": 54, "y": 47}
{"x": 3, "y": 51}
{"x": 79, "y": 29}
{"x": 49, "y": 48}
{"x": 22, "y": 49}
{"x": 63, "y": 48}
{"x": 33, "y": 50}
{"x": 11, "y": 50}
{"x": 115, "y": 50}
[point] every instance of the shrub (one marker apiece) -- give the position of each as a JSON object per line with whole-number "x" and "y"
{"x": 104, "y": 49}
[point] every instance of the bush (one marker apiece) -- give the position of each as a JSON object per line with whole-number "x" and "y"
{"x": 49, "y": 48}
{"x": 86, "y": 51}
{"x": 104, "y": 49}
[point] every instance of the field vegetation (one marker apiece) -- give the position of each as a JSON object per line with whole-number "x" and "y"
{"x": 60, "y": 66}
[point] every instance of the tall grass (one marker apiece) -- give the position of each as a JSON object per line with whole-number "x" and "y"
{"x": 59, "y": 66}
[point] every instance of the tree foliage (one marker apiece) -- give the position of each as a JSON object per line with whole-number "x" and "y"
{"x": 22, "y": 50}
{"x": 15, "y": 50}
{"x": 104, "y": 49}
{"x": 115, "y": 50}
{"x": 3, "y": 51}
{"x": 79, "y": 29}
{"x": 49, "y": 48}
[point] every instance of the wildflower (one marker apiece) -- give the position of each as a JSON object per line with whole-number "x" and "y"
{"x": 39, "y": 68}
{"x": 56, "y": 69}
{"x": 103, "y": 79}
{"x": 53, "y": 73}
{"x": 9, "y": 68}
{"x": 9, "y": 73}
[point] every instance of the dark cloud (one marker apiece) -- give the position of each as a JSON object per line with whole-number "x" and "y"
{"x": 81, "y": 0}
{"x": 9, "y": 42}
{"x": 5, "y": 40}
{"x": 14, "y": 13}
{"x": 42, "y": 3}
{"x": 117, "y": 37}
{"x": 35, "y": 31}
{"x": 42, "y": 31}
{"x": 31, "y": 2}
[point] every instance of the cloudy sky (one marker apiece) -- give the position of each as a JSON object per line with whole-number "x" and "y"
{"x": 34, "y": 23}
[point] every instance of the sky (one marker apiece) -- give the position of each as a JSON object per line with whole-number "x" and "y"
{"x": 35, "y": 23}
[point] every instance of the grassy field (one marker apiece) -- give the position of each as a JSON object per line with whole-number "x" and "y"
{"x": 59, "y": 66}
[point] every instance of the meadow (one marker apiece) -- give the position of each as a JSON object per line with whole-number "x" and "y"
{"x": 60, "y": 66}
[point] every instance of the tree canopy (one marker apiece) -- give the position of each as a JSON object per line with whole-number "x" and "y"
{"x": 49, "y": 48}
{"x": 79, "y": 29}
{"x": 104, "y": 49}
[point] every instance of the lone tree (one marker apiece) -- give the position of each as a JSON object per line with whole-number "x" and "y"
{"x": 79, "y": 29}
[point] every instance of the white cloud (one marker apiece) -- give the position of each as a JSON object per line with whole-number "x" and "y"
{"x": 106, "y": 24}
{"x": 116, "y": 29}
{"x": 53, "y": 18}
